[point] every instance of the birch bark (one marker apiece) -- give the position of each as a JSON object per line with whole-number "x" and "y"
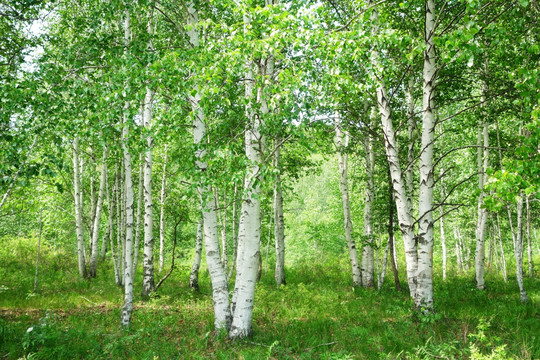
{"x": 424, "y": 291}
{"x": 139, "y": 215}
{"x": 218, "y": 275}
{"x": 391, "y": 238}
{"x": 357, "y": 272}
{"x": 367, "y": 251}
{"x": 403, "y": 201}
{"x": 518, "y": 249}
{"x": 78, "y": 209}
{"x": 222, "y": 220}
{"x": 194, "y": 276}
{"x": 148, "y": 251}
{"x": 128, "y": 249}
{"x": 529, "y": 245}
{"x": 97, "y": 217}
{"x": 111, "y": 207}
{"x": 249, "y": 232}
{"x": 480, "y": 253}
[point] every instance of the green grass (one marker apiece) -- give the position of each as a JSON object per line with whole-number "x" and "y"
{"x": 318, "y": 315}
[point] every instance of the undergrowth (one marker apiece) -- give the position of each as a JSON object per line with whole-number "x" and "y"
{"x": 317, "y": 315}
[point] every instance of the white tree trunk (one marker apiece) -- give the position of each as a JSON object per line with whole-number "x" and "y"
{"x": 518, "y": 249}
{"x": 424, "y": 291}
{"x": 480, "y": 253}
{"x": 529, "y": 245}
{"x": 218, "y": 275}
{"x": 78, "y": 209}
{"x": 119, "y": 225}
{"x": 162, "y": 213}
{"x": 97, "y": 217}
{"x": 128, "y": 249}
{"x": 249, "y": 232}
{"x": 222, "y": 219}
{"x": 194, "y": 276}
{"x": 367, "y": 251}
{"x": 122, "y": 202}
{"x": 279, "y": 223}
{"x": 111, "y": 207}
{"x": 148, "y": 251}
{"x": 138, "y": 221}
{"x": 403, "y": 201}
{"x": 344, "y": 187}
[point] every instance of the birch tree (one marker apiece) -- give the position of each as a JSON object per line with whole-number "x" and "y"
{"x": 368, "y": 251}
{"x": 78, "y": 209}
{"x": 97, "y": 217}
{"x": 344, "y": 187}
{"x": 128, "y": 248}
{"x": 148, "y": 251}
{"x": 218, "y": 276}
{"x": 194, "y": 276}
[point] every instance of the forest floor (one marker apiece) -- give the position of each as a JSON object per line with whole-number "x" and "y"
{"x": 317, "y": 315}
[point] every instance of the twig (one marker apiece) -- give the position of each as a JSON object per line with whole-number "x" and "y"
{"x": 325, "y": 344}
{"x": 259, "y": 344}
{"x": 91, "y": 302}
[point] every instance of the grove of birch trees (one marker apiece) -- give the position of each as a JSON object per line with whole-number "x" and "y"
{"x": 131, "y": 124}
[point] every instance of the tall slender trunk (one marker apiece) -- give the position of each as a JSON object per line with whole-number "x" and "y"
{"x": 112, "y": 204}
{"x": 518, "y": 248}
{"x": 529, "y": 245}
{"x": 403, "y": 201}
{"x": 382, "y": 274}
{"x": 128, "y": 249}
{"x": 249, "y": 232}
{"x": 97, "y": 217}
{"x": 279, "y": 221}
{"x": 138, "y": 216}
{"x": 218, "y": 275}
{"x": 119, "y": 225}
{"x": 424, "y": 291}
{"x": 123, "y": 228}
{"x": 344, "y": 187}
{"x": 367, "y": 250}
{"x": 148, "y": 251}
{"x": 109, "y": 228}
{"x": 93, "y": 204}
{"x": 162, "y": 213}
{"x": 480, "y": 253}
{"x": 194, "y": 276}
{"x": 222, "y": 219}
{"x": 391, "y": 238}
{"x": 78, "y": 209}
